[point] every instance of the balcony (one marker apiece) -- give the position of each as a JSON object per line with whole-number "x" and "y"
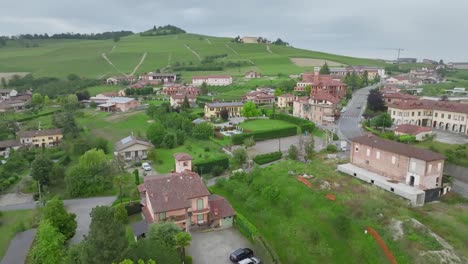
{"x": 201, "y": 211}
{"x": 178, "y": 218}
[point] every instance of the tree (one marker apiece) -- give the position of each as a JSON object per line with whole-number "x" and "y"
{"x": 46, "y": 100}
{"x": 93, "y": 104}
{"x": 224, "y": 114}
{"x": 4, "y": 82}
{"x": 182, "y": 240}
{"x": 154, "y": 249}
{"x": 116, "y": 38}
{"x": 169, "y": 140}
{"x": 309, "y": 148}
{"x": 204, "y": 88}
{"x": 325, "y": 69}
{"x": 293, "y": 152}
{"x": 73, "y": 77}
{"x": 36, "y": 99}
{"x": 137, "y": 177}
{"x": 164, "y": 232}
{"x": 102, "y": 144}
{"x": 120, "y": 181}
{"x": 375, "y": 100}
{"x": 278, "y": 92}
{"x": 185, "y": 104}
{"x": 383, "y": 120}
{"x": 250, "y": 110}
{"x": 249, "y": 142}
{"x": 48, "y": 246}
{"x": 202, "y": 131}
{"x": 58, "y": 217}
{"x": 57, "y": 174}
{"x": 365, "y": 78}
{"x": 71, "y": 102}
{"x": 106, "y": 241}
{"x": 307, "y": 90}
{"x": 239, "y": 155}
{"x": 155, "y": 133}
{"x": 66, "y": 121}
{"x": 121, "y": 214}
{"x": 376, "y": 78}
{"x": 444, "y": 98}
{"x": 40, "y": 169}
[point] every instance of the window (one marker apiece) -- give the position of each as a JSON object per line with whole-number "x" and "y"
{"x": 429, "y": 168}
{"x": 412, "y": 113}
{"x": 200, "y": 218}
{"x": 449, "y": 116}
{"x": 442, "y": 115}
{"x": 377, "y": 154}
{"x": 439, "y": 166}
{"x": 437, "y": 181}
{"x": 357, "y": 148}
{"x": 127, "y": 154}
{"x": 435, "y": 114}
{"x": 419, "y": 113}
{"x": 199, "y": 204}
{"x": 368, "y": 152}
{"x": 393, "y": 112}
{"x": 162, "y": 216}
{"x": 393, "y": 159}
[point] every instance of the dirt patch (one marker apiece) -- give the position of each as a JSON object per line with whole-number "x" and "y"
{"x": 120, "y": 116}
{"x": 9, "y": 75}
{"x": 15, "y": 198}
{"x": 307, "y": 62}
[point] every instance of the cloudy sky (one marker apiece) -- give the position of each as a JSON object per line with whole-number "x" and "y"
{"x": 368, "y": 28}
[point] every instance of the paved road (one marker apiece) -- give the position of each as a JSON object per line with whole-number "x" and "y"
{"x": 460, "y": 187}
{"x": 19, "y": 247}
{"x": 348, "y": 125}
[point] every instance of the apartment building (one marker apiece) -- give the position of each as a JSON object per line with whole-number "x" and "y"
{"x": 214, "y": 109}
{"x": 212, "y": 80}
{"x": 40, "y": 138}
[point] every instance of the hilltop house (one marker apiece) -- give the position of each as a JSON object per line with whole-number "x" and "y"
{"x": 252, "y": 75}
{"x": 159, "y": 77}
{"x": 120, "y": 80}
{"x": 183, "y": 198}
{"x": 132, "y": 149}
{"x": 40, "y": 138}
{"x": 214, "y": 109}
{"x": 410, "y": 172}
{"x": 212, "y": 80}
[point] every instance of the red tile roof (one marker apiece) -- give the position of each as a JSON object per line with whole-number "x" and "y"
{"x": 430, "y": 105}
{"x": 412, "y": 129}
{"x": 39, "y": 133}
{"x": 182, "y": 156}
{"x": 402, "y": 96}
{"x": 286, "y": 95}
{"x": 219, "y": 207}
{"x": 182, "y": 96}
{"x": 326, "y": 97}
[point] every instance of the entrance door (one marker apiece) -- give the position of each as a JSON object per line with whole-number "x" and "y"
{"x": 136, "y": 154}
{"x": 411, "y": 182}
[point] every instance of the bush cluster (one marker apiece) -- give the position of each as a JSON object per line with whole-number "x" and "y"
{"x": 212, "y": 165}
{"x": 264, "y": 135}
{"x": 268, "y": 157}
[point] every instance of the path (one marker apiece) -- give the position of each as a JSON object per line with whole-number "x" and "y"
{"x": 19, "y": 247}
{"x": 209, "y": 42}
{"x": 113, "y": 47}
{"x": 103, "y": 55}
{"x": 268, "y": 49}
{"x": 194, "y": 52}
{"x": 233, "y": 50}
{"x": 141, "y": 61}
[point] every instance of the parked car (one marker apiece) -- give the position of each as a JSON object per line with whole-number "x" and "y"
{"x": 252, "y": 260}
{"x": 343, "y": 110}
{"x": 358, "y": 107}
{"x": 240, "y": 254}
{"x": 146, "y": 166}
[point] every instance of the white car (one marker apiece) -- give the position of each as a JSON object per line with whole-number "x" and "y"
{"x": 146, "y": 166}
{"x": 252, "y": 260}
{"x": 343, "y": 110}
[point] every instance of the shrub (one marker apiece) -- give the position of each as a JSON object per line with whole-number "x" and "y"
{"x": 207, "y": 166}
{"x": 335, "y": 136}
{"x": 293, "y": 152}
{"x": 268, "y": 157}
{"x": 245, "y": 227}
{"x": 188, "y": 260}
{"x": 264, "y": 135}
{"x": 217, "y": 170}
{"x": 332, "y": 148}
{"x": 133, "y": 207}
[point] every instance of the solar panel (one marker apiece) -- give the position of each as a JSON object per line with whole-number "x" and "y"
{"x": 126, "y": 140}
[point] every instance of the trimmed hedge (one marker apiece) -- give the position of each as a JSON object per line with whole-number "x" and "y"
{"x": 38, "y": 115}
{"x": 305, "y": 125}
{"x": 264, "y": 135}
{"x": 208, "y": 165}
{"x": 245, "y": 227}
{"x": 268, "y": 157}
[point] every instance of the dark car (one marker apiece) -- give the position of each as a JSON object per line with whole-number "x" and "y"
{"x": 240, "y": 254}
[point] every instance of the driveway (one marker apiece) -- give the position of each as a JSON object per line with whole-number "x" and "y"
{"x": 215, "y": 246}
{"x": 19, "y": 247}
{"x": 449, "y": 137}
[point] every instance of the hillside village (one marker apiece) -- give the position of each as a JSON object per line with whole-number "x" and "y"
{"x": 219, "y": 159}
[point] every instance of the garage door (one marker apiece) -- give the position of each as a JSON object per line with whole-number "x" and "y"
{"x": 226, "y": 222}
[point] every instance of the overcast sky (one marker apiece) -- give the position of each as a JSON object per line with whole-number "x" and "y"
{"x": 368, "y": 28}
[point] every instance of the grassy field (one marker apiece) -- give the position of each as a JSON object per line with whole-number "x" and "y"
{"x": 317, "y": 230}
{"x": 10, "y": 224}
{"x": 83, "y": 57}
{"x": 264, "y": 124}
{"x": 438, "y": 89}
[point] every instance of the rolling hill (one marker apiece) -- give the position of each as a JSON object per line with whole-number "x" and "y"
{"x": 58, "y": 58}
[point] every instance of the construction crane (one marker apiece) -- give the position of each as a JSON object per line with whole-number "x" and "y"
{"x": 398, "y": 50}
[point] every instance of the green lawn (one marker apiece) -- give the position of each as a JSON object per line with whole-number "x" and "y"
{"x": 10, "y": 223}
{"x": 317, "y": 230}
{"x": 264, "y": 124}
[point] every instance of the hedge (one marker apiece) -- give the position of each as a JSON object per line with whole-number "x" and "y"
{"x": 207, "y": 166}
{"x": 264, "y": 135}
{"x": 245, "y": 227}
{"x": 304, "y": 124}
{"x": 268, "y": 157}
{"x": 38, "y": 115}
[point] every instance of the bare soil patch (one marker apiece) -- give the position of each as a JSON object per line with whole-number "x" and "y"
{"x": 307, "y": 62}
{"x": 9, "y": 75}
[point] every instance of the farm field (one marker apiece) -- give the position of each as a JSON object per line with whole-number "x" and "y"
{"x": 58, "y": 58}
{"x": 318, "y": 230}
{"x": 264, "y": 124}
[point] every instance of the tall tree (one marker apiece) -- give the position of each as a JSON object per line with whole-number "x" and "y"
{"x": 375, "y": 100}
{"x": 58, "y": 217}
{"x": 224, "y": 114}
{"x": 185, "y": 104}
{"x": 164, "y": 232}
{"x": 202, "y": 131}
{"x": 239, "y": 155}
{"x": 309, "y": 147}
{"x": 4, "y": 82}
{"x": 48, "y": 246}
{"x": 383, "y": 120}
{"x": 40, "y": 169}
{"x": 250, "y": 110}
{"x": 182, "y": 240}
{"x": 36, "y": 99}
{"x": 365, "y": 78}
{"x": 325, "y": 69}
{"x": 293, "y": 152}
{"x": 156, "y": 133}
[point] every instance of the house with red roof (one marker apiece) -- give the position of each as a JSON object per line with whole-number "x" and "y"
{"x": 285, "y": 100}
{"x": 320, "y": 108}
{"x": 212, "y": 80}
{"x": 419, "y": 132}
{"x": 321, "y": 83}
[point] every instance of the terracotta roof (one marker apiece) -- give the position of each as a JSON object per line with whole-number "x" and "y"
{"x": 302, "y": 99}
{"x": 225, "y": 104}
{"x": 9, "y": 143}
{"x": 397, "y": 147}
{"x": 219, "y": 207}
{"x": 430, "y": 105}
{"x": 286, "y": 95}
{"x": 38, "y": 133}
{"x": 182, "y": 156}
{"x": 412, "y": 129}
{"x": 321, "y": 80}
{"x": 174, "y": 191}
{"x": 130, "y": 141}
{"x": 325, "y": 96}
{"x": 182, "y": 96}
{"x": 396, "y": 95}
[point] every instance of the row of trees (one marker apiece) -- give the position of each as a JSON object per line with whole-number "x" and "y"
{"x": 92, "y": 36}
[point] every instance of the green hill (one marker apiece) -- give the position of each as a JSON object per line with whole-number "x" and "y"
{"x": 58, "y": 58}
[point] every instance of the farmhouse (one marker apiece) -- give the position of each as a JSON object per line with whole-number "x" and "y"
{"x": 40, "y": 138}
{"x": 121, "y": 104}
{"x": 183, "y": 198}
{"x": 120, "y": 80}
{"x": 419, "y": 132}
{"x": 318, "y": 83}
{"x": 285, "y": 100}
{"x": 249, "y": 40}
{"x": 7, "y": 145}
{"x": 181, "y": 89}
{"x": 132, "y": 149}
{"x": 10, "y": 100}
{"x": 212, "y": 80}
{"x": 252, "y": 75}
{"x": 449, "y": 116}
{"x": 260, "y": 97}
{"x": 178, "y": 99}
{"x": 413, "y": 173}
{"x": 8, "y": 93}
{"x": 159, "y": 77}
{"x": 214, "y": 109}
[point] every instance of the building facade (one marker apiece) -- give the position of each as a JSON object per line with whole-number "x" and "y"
{"x": 41, "y": 138}
{"x": 132, "y": 149}
{"x": 214, "y": 109}
{"x": 252, "y": 75}
{"x": 7, "y": 145}
{"x": 119, "y": 104}
{"x": 285, "y": 100}
{"x": 320, "y": 108}
{"x": 212, "y": 80}
{"x": 321, "y": 83}
{"x": 177, "y": 100}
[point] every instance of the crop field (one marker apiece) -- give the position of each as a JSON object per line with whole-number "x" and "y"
{"x": 59, "y": 58}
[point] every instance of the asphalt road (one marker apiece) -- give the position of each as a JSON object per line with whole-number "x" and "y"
{"x": 348, "y": 124}
{"x": 19, "y": 247}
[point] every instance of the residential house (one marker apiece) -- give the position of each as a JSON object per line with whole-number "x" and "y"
{"x": 250, "y": 40}
{"x": 285, "y": 100}
{"x": 252, "y": 75}
{"x": 449, "y": 116}
{"x": 407, "y": 60}
{"x": 212, "y": 80}
{"x": 392, "y": 97}
{"x": 260, "y": 97}
{"x": 411, "y": 172}
{"x": 457, "y": 91}
{"x": 183, "y": 198}
{"x": 419, "y": 132}
{"x": 214, "y": 109}
{"x": 178, "y": 99}
{"x": 121, "y": 80}
{"x": 183, "y": 162}
{"x": 40, "y": 138}
{"x": 8, "y": 93}
{"x": 7, "y": 145}
{"x": 159, "y": 77}
{"x": 181, "y": 89}
{"x": 320, "y": 108}
{"x": 372, "y": 72}
{"x": 318, "y": 83}
{"x": 120, "y": 104}
{"x": 10, "y": 100}
{"x": 132, "y": 149}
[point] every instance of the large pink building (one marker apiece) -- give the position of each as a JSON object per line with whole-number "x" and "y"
{"x": 321, "y": 83}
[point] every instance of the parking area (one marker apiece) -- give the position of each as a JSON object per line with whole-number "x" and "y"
{"x": 450, "y": 138}
{"x": 215, "y": 246}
